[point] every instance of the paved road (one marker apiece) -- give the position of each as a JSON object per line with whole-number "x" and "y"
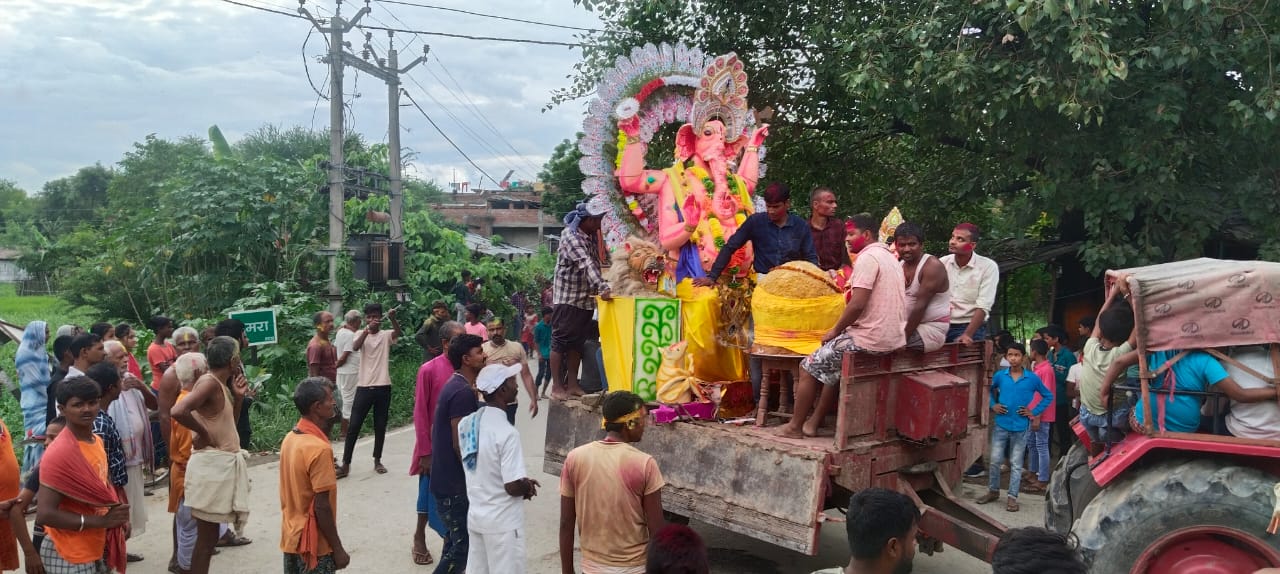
{"x": 376, "y": 517}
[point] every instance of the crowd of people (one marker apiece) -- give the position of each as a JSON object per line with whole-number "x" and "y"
{"x": 96, "y": 435}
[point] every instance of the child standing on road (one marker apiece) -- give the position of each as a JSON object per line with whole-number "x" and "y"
{"x": 542, "y": 337}
{"x": 1037, "y": 473}
{"x": 1011, "y": 392}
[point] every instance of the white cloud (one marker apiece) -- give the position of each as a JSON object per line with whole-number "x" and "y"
{"x": 83, "y": 80}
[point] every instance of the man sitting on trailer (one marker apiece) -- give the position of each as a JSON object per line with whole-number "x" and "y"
{"x": 873, "y": 321}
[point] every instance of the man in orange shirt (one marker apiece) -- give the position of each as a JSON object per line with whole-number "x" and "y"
{"x": 83, "y": 519}
{"x": 309, "y": 486}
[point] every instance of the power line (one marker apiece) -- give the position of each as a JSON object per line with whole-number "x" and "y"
{"x": 469, "y": 13}
{"x": 446, "y": 138}
{"x": 485, "y": 38}
{"x": 476, "y": 110}
{"x": 426, "y": 33}
{"x": 475, "y": 136}
{"x": 280, "y": 12}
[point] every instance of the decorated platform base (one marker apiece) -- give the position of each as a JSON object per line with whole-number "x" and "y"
{"x": 633, "y": 332}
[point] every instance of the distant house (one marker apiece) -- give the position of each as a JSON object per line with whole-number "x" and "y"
{"x": 515, "y": 216}
{"x": 9, "y": 270}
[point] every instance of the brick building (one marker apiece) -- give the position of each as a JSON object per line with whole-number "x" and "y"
{"x": 516, "y": 216}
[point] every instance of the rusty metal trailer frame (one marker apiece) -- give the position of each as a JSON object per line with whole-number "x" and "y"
{"x": 750, "y": 481}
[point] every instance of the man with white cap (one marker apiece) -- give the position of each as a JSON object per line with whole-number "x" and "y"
{"x": 497, "y": 483}
{"x": 577, "y": 281}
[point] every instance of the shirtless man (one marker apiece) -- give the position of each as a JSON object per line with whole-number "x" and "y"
{"x": 210, "y": 411}
{"x": 928, "y": 296}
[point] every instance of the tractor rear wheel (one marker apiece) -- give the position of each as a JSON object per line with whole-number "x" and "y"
{"x": 1181, "y": 516}
{"x": 1071, "y": 488}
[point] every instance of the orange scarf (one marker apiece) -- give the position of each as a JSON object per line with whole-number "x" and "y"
{"x": 311, "y": 531}
{"x": 65, "y": 470}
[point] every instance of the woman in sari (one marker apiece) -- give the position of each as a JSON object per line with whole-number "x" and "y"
{"x": 32, "y": 364}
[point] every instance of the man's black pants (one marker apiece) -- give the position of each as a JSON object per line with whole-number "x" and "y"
{"x": 379, "y": 400}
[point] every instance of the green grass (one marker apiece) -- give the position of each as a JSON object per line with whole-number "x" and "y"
{"x": 274, "y": 413}
{"x": 20, "y": 311}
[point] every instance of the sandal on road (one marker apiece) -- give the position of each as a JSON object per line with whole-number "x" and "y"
{"x": 422, "y": 558}
{"x": 233, "y": 540}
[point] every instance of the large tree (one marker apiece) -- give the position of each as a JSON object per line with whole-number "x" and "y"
{"x": 1142, "y": 128}
{"x": 563, "y": 179}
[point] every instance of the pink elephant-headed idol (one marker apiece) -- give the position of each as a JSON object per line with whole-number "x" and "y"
{"x": 703, "y": 201}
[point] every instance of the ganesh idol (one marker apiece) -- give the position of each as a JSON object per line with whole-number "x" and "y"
{"x": 707, "y": 193}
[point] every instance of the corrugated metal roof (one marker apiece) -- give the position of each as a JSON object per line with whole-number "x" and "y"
{"x": 486, "y": 246}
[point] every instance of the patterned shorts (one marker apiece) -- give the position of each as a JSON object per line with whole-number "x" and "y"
{"x": 825, "y": 363}
{"x": 295, "y": 564}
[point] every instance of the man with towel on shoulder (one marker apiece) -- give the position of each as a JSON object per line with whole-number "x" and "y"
{"x": 309, "y": 486}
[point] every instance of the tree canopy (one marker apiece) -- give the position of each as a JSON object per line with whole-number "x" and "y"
{"x": 1141, "y": 128}
{"x": 190, "y": 228}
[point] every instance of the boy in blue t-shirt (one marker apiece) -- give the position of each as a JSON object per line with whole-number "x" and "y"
{"x": 542, "y": 338}
{"x": 1195, "y": 371}
{"x": 1011, "y": 391}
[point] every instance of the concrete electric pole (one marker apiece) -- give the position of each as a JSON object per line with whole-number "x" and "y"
{"x": 389, "y": 71}
{"x": 336, "y": 28}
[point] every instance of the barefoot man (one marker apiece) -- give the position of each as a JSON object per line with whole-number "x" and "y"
{"x": 217, "y": 481}
{"x": 873, "y": 321}
{"x": 577, "y": 281}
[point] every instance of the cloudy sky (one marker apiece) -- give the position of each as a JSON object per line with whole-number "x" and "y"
{"x": 82, "y": 80}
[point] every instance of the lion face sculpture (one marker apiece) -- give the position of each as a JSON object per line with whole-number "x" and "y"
{"x": 637, "y": 267}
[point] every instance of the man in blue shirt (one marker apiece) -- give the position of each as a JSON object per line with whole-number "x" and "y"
{"x": 1011, "y": 391}
{"x": 777, "y": 235}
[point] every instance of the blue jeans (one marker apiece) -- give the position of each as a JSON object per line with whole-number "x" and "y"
{"x": 1095, "y": 425}
{"x": 453, "y": 511}
{"x": 1011, "y": 444}
{"x": 544, "y": 371}
{"x": 958, "y": 329}
{"x": 1038, "y": 452}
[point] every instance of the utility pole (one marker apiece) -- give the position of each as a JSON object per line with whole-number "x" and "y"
{"x": 336, "y": 28}
{"x": 389, "y": 71}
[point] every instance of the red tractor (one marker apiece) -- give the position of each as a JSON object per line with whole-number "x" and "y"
{"x": 1183, "y": 502}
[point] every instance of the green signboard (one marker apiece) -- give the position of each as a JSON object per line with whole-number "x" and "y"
{"x": 259, "y": 325}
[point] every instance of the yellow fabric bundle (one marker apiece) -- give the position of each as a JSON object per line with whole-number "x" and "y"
{"x": 798, "y": 280}
{"x": 794, "y": 306}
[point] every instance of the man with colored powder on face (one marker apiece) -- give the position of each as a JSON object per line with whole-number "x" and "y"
{"x": 874, "y": 321}
{"x": 612, "y": 492}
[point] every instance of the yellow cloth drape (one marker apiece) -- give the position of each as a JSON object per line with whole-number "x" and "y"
{"x": 699, "y": 317}
{"x": 617, "y": 340}
{"x": 794, "y": 324}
